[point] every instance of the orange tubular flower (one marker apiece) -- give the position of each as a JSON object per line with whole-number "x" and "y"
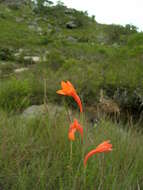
{"x": 103, "y": 147}
{"x": 75, "y": 126}
{"x": 69, "y": 90}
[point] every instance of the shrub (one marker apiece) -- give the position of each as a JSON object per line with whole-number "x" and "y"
{"x": 7, "y": 68}
{"x": 55, "y": 60}
{"x": 81, "y": 18}
{"x": 14, "y": 94}
{"x": 6, "y": 54}
{"x": 117, "y": 33}
{"x": 47, "y": 39}
{"x": 135, "y": 40}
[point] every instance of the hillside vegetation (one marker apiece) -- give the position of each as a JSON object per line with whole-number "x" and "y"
{"x": 39, "y": 47}
{"x": 71, "y": 46}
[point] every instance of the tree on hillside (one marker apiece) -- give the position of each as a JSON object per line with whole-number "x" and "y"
{"x": 60, "y": 3}
{"x": 41, "y": 3}
{"x": 119, "y": 33}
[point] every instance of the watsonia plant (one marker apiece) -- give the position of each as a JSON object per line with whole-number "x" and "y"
{"x": 69, "y": 90}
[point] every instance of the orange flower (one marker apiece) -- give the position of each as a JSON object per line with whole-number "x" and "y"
{"x": 69, "y": 90}
{"x": 103, "y": 147}
{"x": 75, "y": 126}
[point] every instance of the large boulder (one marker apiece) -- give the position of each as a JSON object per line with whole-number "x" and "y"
{"x": 71, "y": 25}
{"x": 35, "y": 111}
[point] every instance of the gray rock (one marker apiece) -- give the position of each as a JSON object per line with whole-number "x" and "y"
{"x": 31, "y": 27}
{"x": 20, "y": 70}
{"x": 39, "y": 110}
{"x": 34, "y": 111}
{"x": 57, "y": 29}
{"x": 18, "y": 19}
{"x": 39, "y": 29}
{"x": 34, "y": 23}
{"x": 38, "y": 19}
{"x": 35, "y": 28}
{"x": 50, "y": 26}
{"x": 71, "y": 25}
{"x": 34, "y": 59}
{"x": 115, "y": 45}
{"x": 44, "y": 19}
{"x": 49, "y": 30}
{"x": 71, "y": 39}
{"x": 3, "y": 63}
{"x": 19, "y": 52}
{"x": 44, "y": 57}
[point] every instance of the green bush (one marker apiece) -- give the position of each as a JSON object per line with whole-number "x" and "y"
{"x": 137, "y": 52}
{"x": 55, "y": 60}
{"x": 14, "y": 94}
{"x": 81, "y": 19}
{"x": 136, "y": 40}
{"x": 118, "y": 33}
{"x": 7, "y": 68}
{"x": 68, "y": 64}
{"x": 14, "y": 7}
{"x": 6, "y": 54}
{"x": 46, "y": 40}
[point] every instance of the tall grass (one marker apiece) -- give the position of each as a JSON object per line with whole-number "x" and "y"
{"x": 35, "y": 154}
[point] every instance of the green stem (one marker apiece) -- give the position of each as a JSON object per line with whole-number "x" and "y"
{"x": 84, "y": 177}
{"x": 102, "y": 170}
{"x": 71, "y": 152}
{"x": 70, "y": 164}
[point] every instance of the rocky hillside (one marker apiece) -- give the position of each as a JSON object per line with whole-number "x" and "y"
{"x": 53, "y": 43}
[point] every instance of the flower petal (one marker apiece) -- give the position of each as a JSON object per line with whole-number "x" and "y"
{"x": 64, "y": 85}
{"x": 75, "y": 126}
{"x": 71, "y": 134}
{"x": 69, "y": 90}
{"x": 103, "y": 147}
{"x": 78, "y": 127}
{"x": 60, "y": 92}
{"x": 78, "y": 101}
{"x": 70, "y": 85}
